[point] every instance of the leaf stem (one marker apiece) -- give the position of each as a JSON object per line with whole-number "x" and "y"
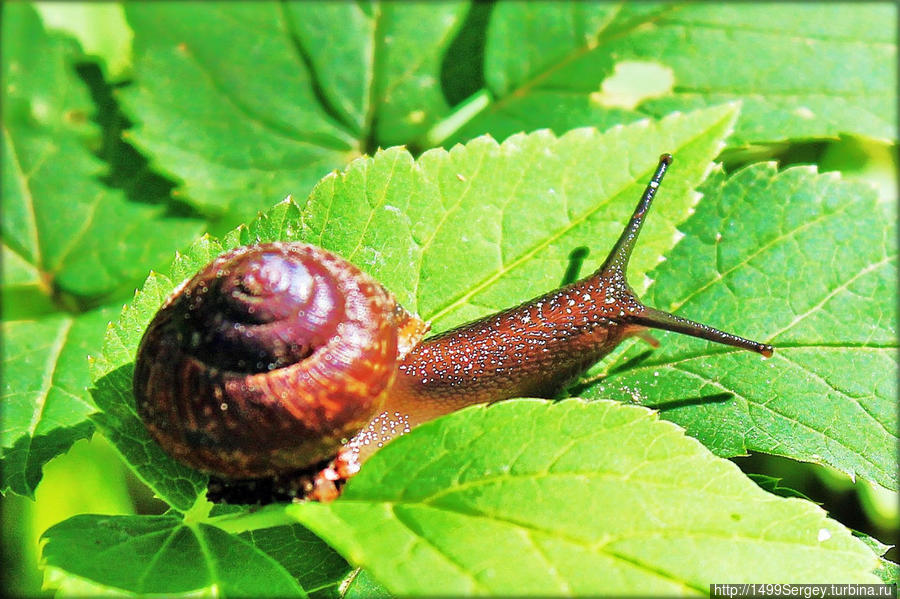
{"x": 199, "y": 511}
{"x": 265, "y": 517}
{"x": 465, "y": 111}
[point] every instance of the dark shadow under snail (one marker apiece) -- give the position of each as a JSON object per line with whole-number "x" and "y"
{"x": 283, "y": 366}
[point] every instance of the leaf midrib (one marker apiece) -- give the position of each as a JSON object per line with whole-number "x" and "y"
{"x": 552, "y": 533}
{"x": 23, "y": 179}
{"x": 47, "y": 378}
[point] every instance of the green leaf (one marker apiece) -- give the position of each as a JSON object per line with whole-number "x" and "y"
{"x": 887, "y": 571}
{"x": 100, "y": 28}
{"x": 23, "y": 288}
{"x": 409, "y": 222}
{"x": 363, "y": 586}
{"x": 407, "y": 93}
{"x": 69, "y": 243}
{"x": 112, "y": 374}
{"x": 317, "y": 567}
{"x": 382, "y": 73}
{"x": 160, "y": 555}
{"x": 83, "y": 239}
{"x": 773, "y": 485}
{"x": 45, "y": 407}
{"x": 812, "y": 70}
{"x": 456, "y": 235}
{"x": 245, "y": 103}
{"x": 808, "y": 263}
{"x": 576, "y": 498}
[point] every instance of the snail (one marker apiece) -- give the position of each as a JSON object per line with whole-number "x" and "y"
{"x": 282, "y": 361}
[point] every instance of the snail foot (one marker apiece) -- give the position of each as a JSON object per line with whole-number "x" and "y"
{"x": 284, "y": 488}
{"x": 322, "y": 481}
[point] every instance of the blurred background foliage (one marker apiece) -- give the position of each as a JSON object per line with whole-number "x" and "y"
{"x": 91, "y": 478}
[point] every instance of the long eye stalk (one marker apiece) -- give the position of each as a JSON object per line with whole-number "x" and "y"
{"x": 651, "y": 317}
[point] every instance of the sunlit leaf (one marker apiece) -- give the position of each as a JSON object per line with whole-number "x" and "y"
{"x": 804, "y": 261}
{"x": 575, "y": 498}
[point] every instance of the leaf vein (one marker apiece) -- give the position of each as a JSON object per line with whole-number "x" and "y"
{"x": 800, "y": 317}
{"x": 787, "y": 417}
{"x": 855, "y": 400}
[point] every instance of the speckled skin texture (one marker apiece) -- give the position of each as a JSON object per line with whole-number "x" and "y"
{"x": 266, "y": 360}
{"x": 531, "y": 350}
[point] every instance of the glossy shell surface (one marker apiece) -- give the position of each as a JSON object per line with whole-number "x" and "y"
{"x": 266, "y": 360}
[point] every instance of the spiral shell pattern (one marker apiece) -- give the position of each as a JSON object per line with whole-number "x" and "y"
{"x": 266, "y": 360}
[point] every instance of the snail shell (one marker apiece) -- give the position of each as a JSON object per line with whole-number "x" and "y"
{"x": 269, "y": 358}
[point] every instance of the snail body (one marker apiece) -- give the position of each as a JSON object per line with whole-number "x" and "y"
{"x": 278, "y": 357}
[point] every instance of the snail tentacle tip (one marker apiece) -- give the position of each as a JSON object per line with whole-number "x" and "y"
{"x": 666, "y": 158}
